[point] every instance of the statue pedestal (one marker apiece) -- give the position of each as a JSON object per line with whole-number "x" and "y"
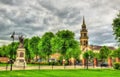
{"x": 20, "y": 58}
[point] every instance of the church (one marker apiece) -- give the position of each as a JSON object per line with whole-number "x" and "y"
{"x": 84, "y": 43}
{"x": 84, "y": 40}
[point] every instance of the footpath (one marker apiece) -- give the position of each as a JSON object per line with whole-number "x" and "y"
{"x": 4, "y": 68}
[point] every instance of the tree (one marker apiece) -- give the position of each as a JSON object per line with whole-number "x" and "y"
{"x": 65, "y": 35}
{"x": 116, "y": 28}
{"x": 104, "y": 53}
{"x": 116, "y": 53}
{"x": 9, "y": 50}
{"x": 28, "y": 54}
{"x": 2, "y": 51}
{"x": 56, "y": 43}
{"x": 65, "y": 44}
{"x": 73, "y": 50}
{"x": 14, "y": 48}
{"x": 33, "y": 46}
{"x": 88, "y": 55}
{"x": 45, "y": 44}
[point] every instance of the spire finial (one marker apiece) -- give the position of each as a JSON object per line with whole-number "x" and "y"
{"x": 84, "y": 25}
{"x": 83, "y": 20}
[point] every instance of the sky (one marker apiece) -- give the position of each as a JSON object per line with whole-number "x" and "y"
{"x": 35, "y": 17}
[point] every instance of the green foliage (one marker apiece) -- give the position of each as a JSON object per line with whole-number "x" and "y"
{"x": 29, "y": 54}
{"x": 45, "y": 44}
{"x": 65, "y": 44}
{"x": 56, "y": 43}
{"x": 96, "y": 55}
{"x": 116, "y": 66}
{"x": 32, "y": 46}
{"x": 88, "y": 55}
{"x": 9, "y": 50}
{"x": 116, "y": 53}
{"x": 65, "y": 34}
{"x": 62, "y": 42}
{"x": 116, "y": 28}
{"x": 104, "y": 52}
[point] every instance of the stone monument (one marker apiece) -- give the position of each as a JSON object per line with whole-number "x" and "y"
{"x": 20, "y": 57}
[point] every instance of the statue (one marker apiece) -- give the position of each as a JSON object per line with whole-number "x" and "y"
{"x": 21, "y": 40}
{"x": 20, "y": 57}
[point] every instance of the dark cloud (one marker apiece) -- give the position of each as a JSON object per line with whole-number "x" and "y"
{"x": 34, "y": 17}
{"x": 11, "y": 2}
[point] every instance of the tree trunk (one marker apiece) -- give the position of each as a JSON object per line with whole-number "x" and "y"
{"x": 87, "y": 63}
{"x": 48, "y": 59}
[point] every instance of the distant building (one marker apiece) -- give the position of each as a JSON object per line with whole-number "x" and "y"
{"x": 4, "y": 59}
{"x": 84, "y": 40}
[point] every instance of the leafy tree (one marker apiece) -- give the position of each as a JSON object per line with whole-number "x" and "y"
{"x": 65, "y": 44}
{"x": 45, "y": 44}
{"x": 2, "y": 51}
{"x": 27, "y": 50}
{"x": 96, "y": 55}
{"x": 73, "y": 50}
{"x": 12, "y": 49}
{"x": 116, "y": 53}
{"x": 9, "y": 50}
{"x": 116, "y": 28}
{"x": 65, "y": 35}
{"x": 33, "y": 46}
{"x": 104, "y": 53}
{"x": 88, "y": 55}
{"x": 56, "y": 43}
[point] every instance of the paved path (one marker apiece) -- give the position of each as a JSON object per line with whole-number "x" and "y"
{"x": 48, "y": 67}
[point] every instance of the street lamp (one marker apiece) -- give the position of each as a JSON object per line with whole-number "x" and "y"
{"x": 11, "y": 61}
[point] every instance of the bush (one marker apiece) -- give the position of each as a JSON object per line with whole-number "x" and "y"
{"x": 116, "y": 66}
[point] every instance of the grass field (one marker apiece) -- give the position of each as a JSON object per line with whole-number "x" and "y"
{"x": 61, "y": 73}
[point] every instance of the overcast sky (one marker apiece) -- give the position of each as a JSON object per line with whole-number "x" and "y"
{"x": 35, "y": 17}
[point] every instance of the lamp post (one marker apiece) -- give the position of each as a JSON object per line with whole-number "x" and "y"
{"x": 11, "y": 61}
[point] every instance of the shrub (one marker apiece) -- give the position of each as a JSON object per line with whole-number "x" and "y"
{"x": 116, "y": 66}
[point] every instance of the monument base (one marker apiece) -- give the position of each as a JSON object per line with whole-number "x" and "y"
{"x": 20, "y": 58}
{"x": 20, "y": 62}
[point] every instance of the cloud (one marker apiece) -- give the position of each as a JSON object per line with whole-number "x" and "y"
{"x": 35, "y": 17}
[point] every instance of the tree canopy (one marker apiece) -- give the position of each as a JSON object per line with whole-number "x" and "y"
{"x": 45, "y": 44}
{"x": 62, "y": 42}
{"x": 104, "y": 52}
{"x": 116, "y": 53}
{"x": 116, "y": 28}
{"x": 65, "y": 44}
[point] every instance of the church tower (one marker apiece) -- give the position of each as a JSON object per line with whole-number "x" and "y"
{"x": 84, "y": 36}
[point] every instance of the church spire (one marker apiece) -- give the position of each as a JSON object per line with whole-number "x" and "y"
{"x": 83, "y": 25}
{"x": 84, "y": 36}
{"x": 83, "y": 20}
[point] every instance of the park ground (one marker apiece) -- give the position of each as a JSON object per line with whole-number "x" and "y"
{"x": 62, "y": 73}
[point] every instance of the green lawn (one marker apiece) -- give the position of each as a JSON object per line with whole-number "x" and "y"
{"x": 61, "y": 73}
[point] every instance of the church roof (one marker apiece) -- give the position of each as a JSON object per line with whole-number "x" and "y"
{"x": 96, "y": 47}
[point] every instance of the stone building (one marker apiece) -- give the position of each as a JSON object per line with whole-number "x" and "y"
{"x": 84, "y": 44}
{"x": 84, "y": 40}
